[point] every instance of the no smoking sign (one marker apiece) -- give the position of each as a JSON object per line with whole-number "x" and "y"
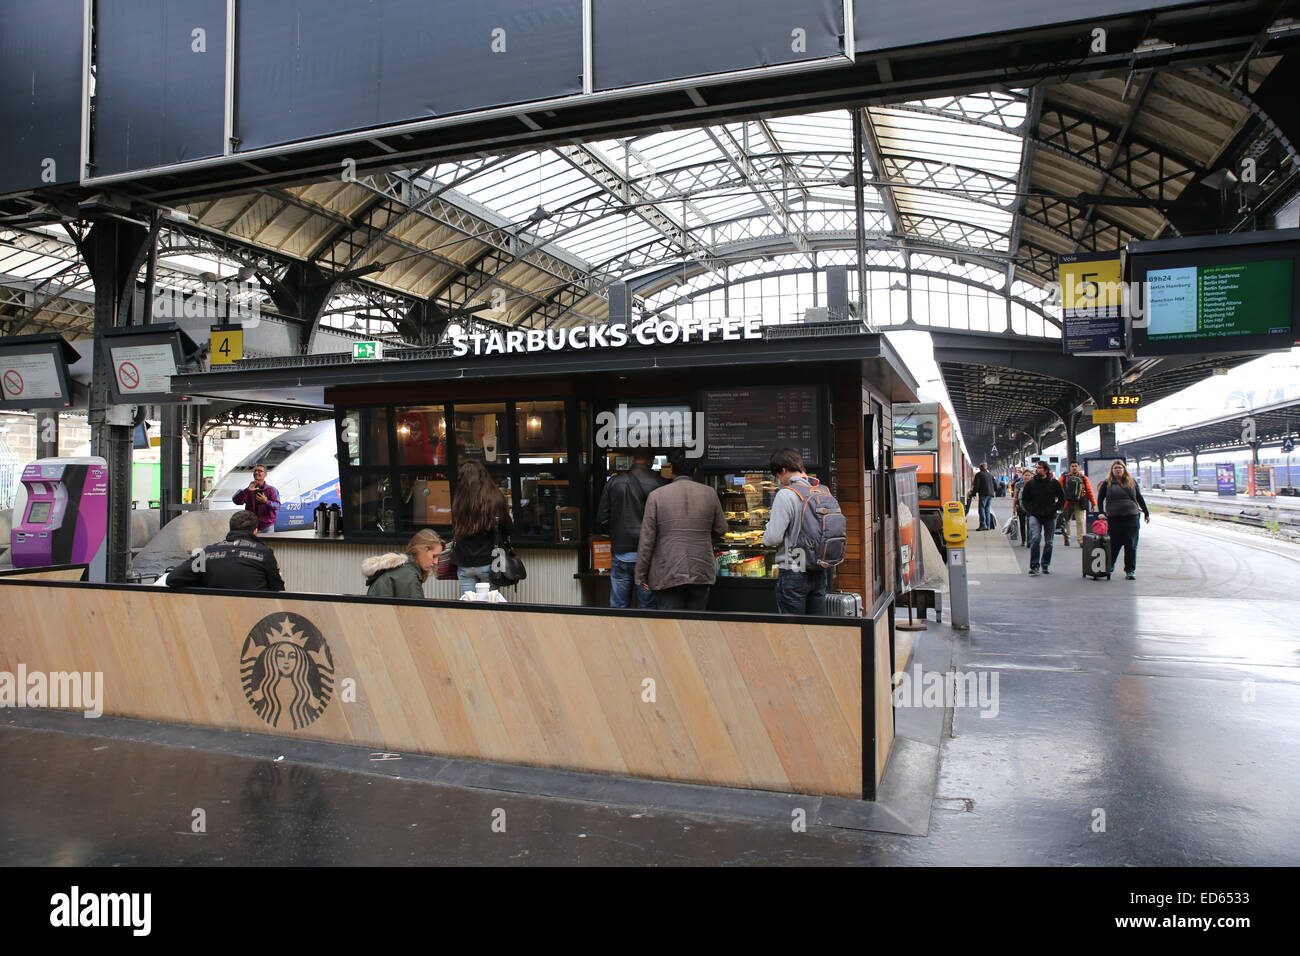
{"x": 13, "y": 382}
{"x": 128, "y": 376}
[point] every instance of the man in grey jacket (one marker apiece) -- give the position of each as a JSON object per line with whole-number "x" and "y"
{"x": 675, "y": 555}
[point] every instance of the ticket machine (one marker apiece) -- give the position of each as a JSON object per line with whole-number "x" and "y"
{"x": 64, "y": 519}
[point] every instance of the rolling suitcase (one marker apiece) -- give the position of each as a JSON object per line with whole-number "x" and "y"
{"x": 843, "y": 604}
{"x": 1096, "y": 555}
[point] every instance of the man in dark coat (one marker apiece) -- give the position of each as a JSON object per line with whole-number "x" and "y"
{"x": 1042, "y": 497}
{"x": 239, "y": 563}
{"x": 621, "y": 511}
{"x": 984, "y": 487}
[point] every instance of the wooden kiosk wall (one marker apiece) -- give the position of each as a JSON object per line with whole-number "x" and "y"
{"x": 740, "y": 700}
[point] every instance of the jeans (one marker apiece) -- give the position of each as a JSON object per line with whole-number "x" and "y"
{"x": 1040, "y": 531}
{"x": 685, "y": 597}
{"x": 1124, "y": 532}
{"x": 622, "y": 579}
{"x": 986, "y": 511}
{"x": 801, "y": 592}
{"x": 468, "y": 577}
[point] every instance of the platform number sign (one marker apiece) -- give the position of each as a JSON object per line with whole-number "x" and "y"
{"x": 225, "y": 344}
{"x": 1288, "y": 445}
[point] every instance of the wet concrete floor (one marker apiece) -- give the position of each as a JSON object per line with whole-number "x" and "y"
{"x": 1143, "y": 722}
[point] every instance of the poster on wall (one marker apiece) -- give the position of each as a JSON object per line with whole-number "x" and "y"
{"x": 1227, "y": 480}
{"x": 910, "y": 563}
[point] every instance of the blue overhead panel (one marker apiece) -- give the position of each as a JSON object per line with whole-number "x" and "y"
{"x": 312, "y": 68}
{"x": 160, "y": 82}
{"x": 40, "y": 93}
{"x": 888, "y": 24}
{"x": 648, "y": 41}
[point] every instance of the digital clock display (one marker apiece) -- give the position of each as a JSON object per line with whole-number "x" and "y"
{"x": 1125, "y": 401}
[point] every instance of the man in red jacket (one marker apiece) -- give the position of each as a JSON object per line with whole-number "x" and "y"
{"x": 1078, "y": 496}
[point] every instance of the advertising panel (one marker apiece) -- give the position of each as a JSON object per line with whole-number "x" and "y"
{"x": 911, "y": 568}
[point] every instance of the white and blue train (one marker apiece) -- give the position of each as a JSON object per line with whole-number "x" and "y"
{"x": 301, "y": 463}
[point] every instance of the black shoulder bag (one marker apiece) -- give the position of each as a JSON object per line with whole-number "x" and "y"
{"x": 507, "y": 568}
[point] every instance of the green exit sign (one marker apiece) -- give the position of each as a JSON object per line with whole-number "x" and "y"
{"x": 367, "y": 351}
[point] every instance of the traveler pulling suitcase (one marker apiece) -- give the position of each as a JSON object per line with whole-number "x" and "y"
{"x": 1096, "y": 555}
{"x": 843, "y": 604}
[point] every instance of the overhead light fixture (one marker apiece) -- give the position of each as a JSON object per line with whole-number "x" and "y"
{"x": 540, "y": 214}
{"x": 533, "y": 427}
{"x": 245, "y": 273}
{"x": 1219, "y": 179}
{"x": 897, "y": 286}
{"x": 847, "y": 179}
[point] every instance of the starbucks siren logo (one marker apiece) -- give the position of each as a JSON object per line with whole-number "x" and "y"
{"x": 287, "y": 670}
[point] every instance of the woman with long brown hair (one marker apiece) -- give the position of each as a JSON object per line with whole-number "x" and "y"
{"x": 476, "y": 509}
{"x": 1121, "y": 498}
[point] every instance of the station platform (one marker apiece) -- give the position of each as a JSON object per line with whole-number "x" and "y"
{"x": 1146, "y": 722}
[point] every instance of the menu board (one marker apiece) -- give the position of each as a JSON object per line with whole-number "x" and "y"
{"x": 743, "y": 426}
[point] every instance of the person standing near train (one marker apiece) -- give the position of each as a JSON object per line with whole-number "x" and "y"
{"x": 260, "y": 498}
{"x": 1121, "y": 498}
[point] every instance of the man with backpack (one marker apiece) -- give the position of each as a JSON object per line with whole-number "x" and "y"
{"x": 809, "y": 532}
{"x": 622, "y": 508}
{"x": 1078, "y": 495}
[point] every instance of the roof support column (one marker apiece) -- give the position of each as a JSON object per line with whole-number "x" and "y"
{"x": 1196, "y": 475}
{"x": 114, "y": 251}
{"x": 860, "y": 213}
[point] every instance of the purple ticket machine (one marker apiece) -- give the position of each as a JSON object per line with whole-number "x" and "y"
{"x": 65, "y": 517}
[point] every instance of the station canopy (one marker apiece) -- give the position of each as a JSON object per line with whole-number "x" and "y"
{"x": 969, "y": 199}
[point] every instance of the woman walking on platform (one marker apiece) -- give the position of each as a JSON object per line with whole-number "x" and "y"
{"x": 476, "y": 510}
{"x": 1121, "y": 498}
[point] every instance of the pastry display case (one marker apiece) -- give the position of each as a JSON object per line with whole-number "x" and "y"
{"x": 746, "y": 499}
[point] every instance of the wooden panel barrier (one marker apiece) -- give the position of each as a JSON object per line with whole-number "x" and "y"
{"x": 739, "y": 700}
{"x": 60, "y": 572}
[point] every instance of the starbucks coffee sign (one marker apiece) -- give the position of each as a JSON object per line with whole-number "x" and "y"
{"x": 606, "y": 336}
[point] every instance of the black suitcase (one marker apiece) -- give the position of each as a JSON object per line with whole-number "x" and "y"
{"x": 1096, "y": 555}
{"x": 843, "y": 604}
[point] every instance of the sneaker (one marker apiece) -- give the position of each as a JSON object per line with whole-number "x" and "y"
{"x": 1131, "y": 575}
{"x": 1033, "y": 571}
{"x": 1046, "y": 569}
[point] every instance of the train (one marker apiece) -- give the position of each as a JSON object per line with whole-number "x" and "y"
{"x": 1277, "y": 475}
{"x": 924, "y": 436}
{"x": 301, "y": 464}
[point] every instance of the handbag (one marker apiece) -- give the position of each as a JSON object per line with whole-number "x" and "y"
{"x": 445, "y": 570}
{"x": 507, "y": 567}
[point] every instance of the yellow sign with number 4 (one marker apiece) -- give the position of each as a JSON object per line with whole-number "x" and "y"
{"x": 225, "y": 345}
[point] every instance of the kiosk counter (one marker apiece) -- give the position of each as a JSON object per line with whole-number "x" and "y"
{"x": 754, "y": 700}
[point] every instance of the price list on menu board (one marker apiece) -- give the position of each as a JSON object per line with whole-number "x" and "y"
{"x": 743, "y": 426}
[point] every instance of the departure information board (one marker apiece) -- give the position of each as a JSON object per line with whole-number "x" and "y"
{"x": 743, "y": 426}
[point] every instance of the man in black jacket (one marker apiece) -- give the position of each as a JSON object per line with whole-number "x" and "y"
{"x": 985, "y": 488}
{"x": 1042, "y": 497}
{"x": 240, "y": 563}
{"x": 622, "y": 508}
